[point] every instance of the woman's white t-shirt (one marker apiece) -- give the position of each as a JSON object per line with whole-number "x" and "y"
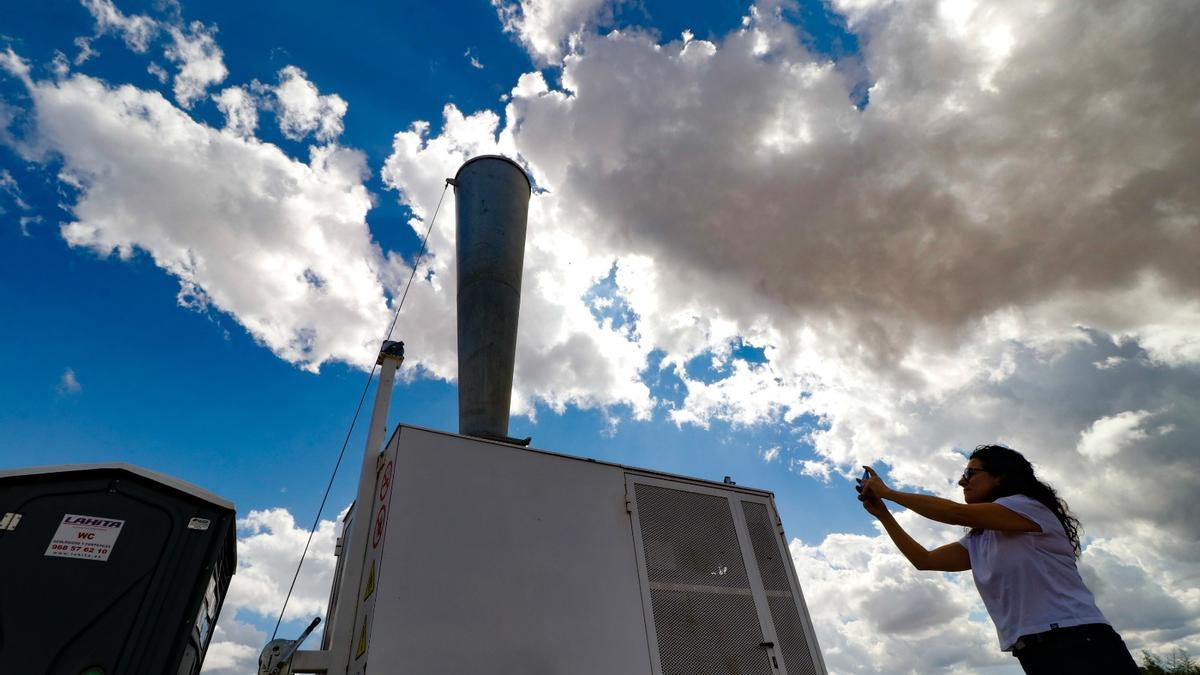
{"x": 1028, "y": 580}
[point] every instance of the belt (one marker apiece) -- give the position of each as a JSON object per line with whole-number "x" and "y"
{"x": 1056, "y": 634}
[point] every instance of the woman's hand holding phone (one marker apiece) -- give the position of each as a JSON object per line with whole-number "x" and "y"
{"x": 858, "y": 485}
{"x": 866, "y": 494}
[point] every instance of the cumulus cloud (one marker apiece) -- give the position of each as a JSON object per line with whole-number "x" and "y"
{"x": 874, "y": 613}
{"x": 303, "y": 110}
{"x": 200, "y": 61}
{"x": 281, "y": 245}
{"x": 240, "y": 109}
{"x": 269, "y": 545}
{"x": 544, "y": 27}
{"x": 193, "y": 48}
{"x": 1109, "y": 435}
{"x": 890, "y": 255}
{"x": 234, "y": 648}
{"x": 887, "y": 239}
{"x": 137, "y": 31}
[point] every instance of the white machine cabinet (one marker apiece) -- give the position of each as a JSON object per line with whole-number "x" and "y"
{"x": 485, "y": 557}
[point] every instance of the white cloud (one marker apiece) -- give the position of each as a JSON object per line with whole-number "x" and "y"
{"x": 770, "y": 454}
{"x": 234, "y": 648}
{"x": 85, "y": 49}
{"x": 25, "y": 221}
{"x": 874, "y": 613}
{"x": 544, "y": 27}
{"x": 475, "y": 62}
{"x": 240, "y": 109}
{"x": 9, "y": 186}
{"x": 269, "y": 546}
{"x": 68, "y": 384}
{"x": 193, "y": 48}
{"x": 822, "y": 471}
{"x": 199, "y": 59}
{"x": 281, "y": 245}
{"x": 17, "y": 67}
{"x": 302, "y": 110}
{"x": 137, "y": 31}
{"x": 158, "y": 72}
{"x": 887, "y": 275}
{"x": 1109, "y": 435}
{"x": 1146, "y": 598}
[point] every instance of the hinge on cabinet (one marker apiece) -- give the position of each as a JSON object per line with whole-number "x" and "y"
{"x": 628, "y": 504}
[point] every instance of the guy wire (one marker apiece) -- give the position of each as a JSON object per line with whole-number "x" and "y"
{"x": 357, "y": 410}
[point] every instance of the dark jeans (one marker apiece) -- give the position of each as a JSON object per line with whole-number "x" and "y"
{"x": 1093, "y": 649}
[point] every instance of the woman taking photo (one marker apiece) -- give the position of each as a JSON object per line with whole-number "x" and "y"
{"x": 1021, "y": 549}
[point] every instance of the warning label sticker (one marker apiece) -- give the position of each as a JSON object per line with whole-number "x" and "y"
{"x": 86, "y": 537}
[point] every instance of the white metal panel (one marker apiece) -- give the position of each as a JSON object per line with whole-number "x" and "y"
{"x": 794, "y": 637}
{"x": 505, "y": 560}
{"x": 699, "y": 573}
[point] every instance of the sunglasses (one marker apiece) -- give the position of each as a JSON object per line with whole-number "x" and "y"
{"x": 968, "y": 473}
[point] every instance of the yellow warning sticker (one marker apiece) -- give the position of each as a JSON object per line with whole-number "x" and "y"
{"x": 362, "y": 639}
{"x": 370, "y": 582}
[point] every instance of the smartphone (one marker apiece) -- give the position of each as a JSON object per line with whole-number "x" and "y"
{"x": 860, "y": 481}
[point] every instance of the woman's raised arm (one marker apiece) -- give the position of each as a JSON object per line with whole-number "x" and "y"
{"x": 948, "y": 558}
{"x": 988, "y": 516}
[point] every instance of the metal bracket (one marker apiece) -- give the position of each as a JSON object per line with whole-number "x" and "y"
{"x": 276, "y": 657}
{"x": 391, "y": 349}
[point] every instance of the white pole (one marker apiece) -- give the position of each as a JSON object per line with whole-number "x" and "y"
{"x": 353, "y": 546}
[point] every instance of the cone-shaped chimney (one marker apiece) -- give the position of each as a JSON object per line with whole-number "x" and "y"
{"x": 492, "y": 199}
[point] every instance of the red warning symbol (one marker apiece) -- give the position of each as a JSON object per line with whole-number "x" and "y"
{"x": 380, "y": 525}
{"x": 385, "y": 481}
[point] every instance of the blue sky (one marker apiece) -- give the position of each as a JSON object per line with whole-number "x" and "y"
{"x": 770, "y": 241}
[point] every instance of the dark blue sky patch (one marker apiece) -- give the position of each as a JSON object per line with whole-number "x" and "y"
{"x": 607, "y": 304}
{"x": 707, "y": 21}
{"x": 703, "y": 368}
{"x": 823, "y": 31}
{"x": 314, "y": 280}
{"x": 664, "y": 383}
{"x": 747, "y": 352}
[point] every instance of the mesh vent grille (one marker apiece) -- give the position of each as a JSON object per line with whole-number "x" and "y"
{"x": 704, "y": 612}
{"x": 772, "y": 567}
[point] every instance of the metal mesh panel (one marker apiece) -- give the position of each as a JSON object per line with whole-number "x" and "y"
{"x": 772, "y": 567}
{"x": 704, "y": 612}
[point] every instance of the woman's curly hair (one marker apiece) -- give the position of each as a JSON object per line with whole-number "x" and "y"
{"x": 1016, "y": 478}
